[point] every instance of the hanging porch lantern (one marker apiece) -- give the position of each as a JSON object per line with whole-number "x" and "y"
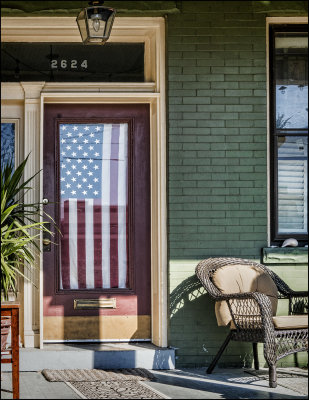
{"x": 95, "y": 23}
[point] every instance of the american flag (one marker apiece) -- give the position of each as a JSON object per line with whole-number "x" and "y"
{"x": 94, "y": 205}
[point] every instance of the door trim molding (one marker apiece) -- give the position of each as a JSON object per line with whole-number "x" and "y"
{"x": 151, "y": 31}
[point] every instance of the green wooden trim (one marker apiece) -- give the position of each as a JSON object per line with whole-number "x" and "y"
{"x": 286, "y": 255}
{"x": 72, "y": 8}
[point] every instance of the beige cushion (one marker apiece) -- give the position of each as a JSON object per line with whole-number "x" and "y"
{"x": 291, "y": 322}
{"x": 241, "y": 278}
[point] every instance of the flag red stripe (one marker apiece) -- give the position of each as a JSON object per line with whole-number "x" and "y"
{"x": 127, "y": 246}
{"x": 81, "y": 244}
{"x": 65, "y": 249}
{"x": 114, "y": 207}
{"x": 97, "y": 245}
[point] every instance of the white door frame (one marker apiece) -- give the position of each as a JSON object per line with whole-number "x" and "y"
{"x": 34, "y": 95}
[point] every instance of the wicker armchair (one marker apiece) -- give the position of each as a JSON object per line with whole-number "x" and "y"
{"x": 252, "y": 312}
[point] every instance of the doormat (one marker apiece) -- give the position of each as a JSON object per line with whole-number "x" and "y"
{"x": 115, "y": 390}
{"x": 296, "y": 380}
{"x": 94, "y": 375}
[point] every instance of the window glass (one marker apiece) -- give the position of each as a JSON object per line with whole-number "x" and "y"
{"x": 291, "y": 81}
{"x": 72, "y": 62}
{"x": 292, "y": 184}
{"x": 7, "y": 142}
{"x": 289, "y": 132}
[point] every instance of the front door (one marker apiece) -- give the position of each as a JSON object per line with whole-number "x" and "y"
{"x": 97, "y": 189}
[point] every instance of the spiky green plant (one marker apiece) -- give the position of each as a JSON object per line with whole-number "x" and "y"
{"x": 20, "y": 231}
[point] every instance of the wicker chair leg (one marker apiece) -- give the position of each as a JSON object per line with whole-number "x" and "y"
{"x": 272, "y": 376}
{"x": 219, "y": 354}
{"x": 256, "y": 356}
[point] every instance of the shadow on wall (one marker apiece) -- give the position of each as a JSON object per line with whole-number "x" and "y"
{"x": 195, "y": 333}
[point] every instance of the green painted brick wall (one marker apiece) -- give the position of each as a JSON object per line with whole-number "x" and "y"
{"x": 217, "y": 163}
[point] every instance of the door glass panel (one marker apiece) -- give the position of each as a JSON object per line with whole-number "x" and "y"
{"x": 7, "y": 143}
{"x": 94, "y": 206}
{"x": 292, "y": 184}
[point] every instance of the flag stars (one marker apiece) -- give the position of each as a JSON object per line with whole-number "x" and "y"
{"x": 73, "y": 179}
{"x": 74, "y": 140}
{"x": 68, "y": 147}
{"x": 95, "y": 192}
{"x": 79, "y": 161}
{"x": 84, "y": 192}
{"x": 63, "y": 166}
{"x": 97, "y": 128}
{"x": 90, "y": 186}
{"x": 74, "y": 154}
{"x": 84, "y": 179}
{"x": 68, "y": 172}
{"x": 97, "y": 141}
{"x": 62, "y": 179}
{"x": 75, "y": 128}
{"x": 79, "y": 186}
{"x": 91, "y": 135}
{"x": 95, "y": 180}
{"x": 96, "y": 167}
{"x": 78, "y": 173}
{"x": 90, "y": 173}
{"x": 80, "y": 147}
{"x": 84, "y": 167}
{"x": 85, "y": 154}
{"x": 68, "y": 185}
{"x": 86, "y": 128}
{"x": 96, "y": 154}
{"x": 69, "y": 134}
{"x": 63, "y": 127}
{"x": 90, "y": 147}
{"x": 90, "y": 160}
{"x": 85, "y": 141}
{"x": 80, "y": 134}
{"x": 62, "y": 140}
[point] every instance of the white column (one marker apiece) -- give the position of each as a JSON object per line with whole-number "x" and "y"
{"x": 32, "y": 92}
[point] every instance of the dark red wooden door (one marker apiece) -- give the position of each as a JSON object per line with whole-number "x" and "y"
{"x": 97, "y": 183}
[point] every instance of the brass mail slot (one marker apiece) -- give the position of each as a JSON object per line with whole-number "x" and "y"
{"x": 94, "y": 303}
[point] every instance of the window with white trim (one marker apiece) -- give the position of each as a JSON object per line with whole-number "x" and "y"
{"x": 289, "y": 131}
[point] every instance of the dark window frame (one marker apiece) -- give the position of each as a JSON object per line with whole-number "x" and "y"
{"x": 278, "y": 238}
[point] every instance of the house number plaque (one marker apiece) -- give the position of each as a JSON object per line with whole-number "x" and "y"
{"x": 68, "y": 64}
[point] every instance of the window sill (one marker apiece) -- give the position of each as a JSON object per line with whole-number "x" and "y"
{"x": 286, "y": 255}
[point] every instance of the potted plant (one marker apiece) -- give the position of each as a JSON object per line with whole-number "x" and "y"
{"x": 20, "y": 233}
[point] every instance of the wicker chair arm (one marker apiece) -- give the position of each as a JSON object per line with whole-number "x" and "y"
{"x": 299, "y": 294}
{"x": 250, "y": 310}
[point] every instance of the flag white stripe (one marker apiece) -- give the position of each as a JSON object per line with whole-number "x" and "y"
{"x": 89, "y": 243}
{"x": 73, "y": 243}
{"x": 122, "y": 202}
{"x": 106, "y": 155}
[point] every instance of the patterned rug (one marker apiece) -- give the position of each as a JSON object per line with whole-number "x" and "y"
{"x": 115, "y": 390}
{"x": 94, "y": 375}
{"x": 106, "y": 384}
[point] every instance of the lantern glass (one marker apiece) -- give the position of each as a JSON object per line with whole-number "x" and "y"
{"x": 81, "y": 22}
{"x": 95, "y": 24}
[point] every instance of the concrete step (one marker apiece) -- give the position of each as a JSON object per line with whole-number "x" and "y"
{"x": 100, "y": 356}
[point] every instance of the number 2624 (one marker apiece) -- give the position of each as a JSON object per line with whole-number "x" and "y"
{"x": 71, "y": 64}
